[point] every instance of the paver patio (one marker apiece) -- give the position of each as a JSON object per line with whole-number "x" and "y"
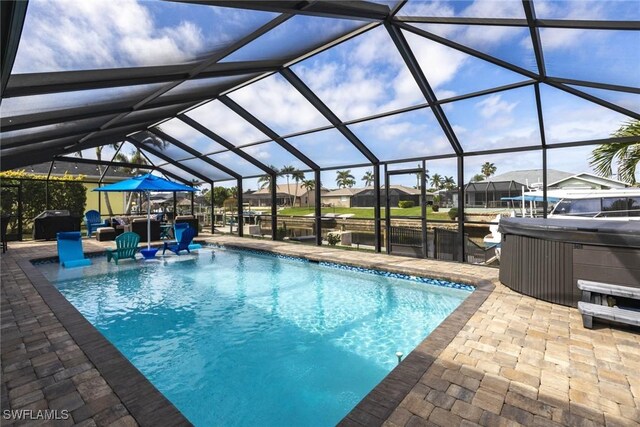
{"x": 514, "y": 360}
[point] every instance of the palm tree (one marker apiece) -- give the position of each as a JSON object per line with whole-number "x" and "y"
{"x": 298, "y": 177}
{"x": 368, "y": 178}
{"x": 308, "y": 184}
{"x": 345, "y": 179}
{"x": 287, "y": 171}
{"x": 626, "y": 155}
{"x": 449, "y": 183}
{"x": 265, "y": 181}
{"x": 478, "y": 177}
{"x": 436, "y": 181}
{"x": 107, "y": 202}
{"x": 137, "y": 158}
{"x": 419, "y": 176}
{"x": 488, "y": 169}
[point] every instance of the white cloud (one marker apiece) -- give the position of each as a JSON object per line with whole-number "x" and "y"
{"x": 76, "y": 34}
{"x": 477, "y": 9}
{"x": 494, "y": 107}
{"x": 279, "y": 105}
{"x": 421, "y": 8}
{"x": 439, "y": 63}
{"x": 259, "y": 152}
{"x": 494, "y": 9}
{"x": 582, "y": 123}
{"x": 362, "y": 77}
{"x": 582, "y": 9}
{"x": 221, "y": 120}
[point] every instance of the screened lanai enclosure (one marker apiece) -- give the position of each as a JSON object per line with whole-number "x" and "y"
{"x": 230, "y": 93}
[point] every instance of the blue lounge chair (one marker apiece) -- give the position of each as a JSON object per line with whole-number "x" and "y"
{"x": 178, "y": 229}
{"x": 93, "y": 221}
{"x": 126, "y": 247}
{"x": 70, "y": 251}
{"x": 186, "y": 237}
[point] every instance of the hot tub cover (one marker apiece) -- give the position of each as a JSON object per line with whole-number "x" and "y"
{"x": 585, "y": 231}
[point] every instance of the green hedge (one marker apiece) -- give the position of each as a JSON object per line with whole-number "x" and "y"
{"x": 67, "y": 192}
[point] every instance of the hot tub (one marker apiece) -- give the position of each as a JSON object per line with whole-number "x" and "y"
{"x": 544, "y": 258}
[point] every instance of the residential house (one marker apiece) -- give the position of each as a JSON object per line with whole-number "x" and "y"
{"x": 489, "y": 192}
{"x": 365, "y": 197}
{"x": 291, "y": 194}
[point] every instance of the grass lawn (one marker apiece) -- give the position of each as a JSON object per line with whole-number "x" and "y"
{"x": 365, "y": 212}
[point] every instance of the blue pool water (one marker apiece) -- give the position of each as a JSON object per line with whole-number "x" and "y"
{"x": 238, "y": 338}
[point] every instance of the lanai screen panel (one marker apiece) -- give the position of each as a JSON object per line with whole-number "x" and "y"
{"x": 103, "y": 152}
{"x": 597, "y": 10}
{"x": 630, "y": 101}
{"x": 211, "y": 86}
{"x": 403, "y": 136}
{"x": 467, "y": 9}
{"x": 569, "y": 118}
{"x": 328, "y": 148}
{"x": 236, "y": 163}
{"x": 360, "y": 77}
{"x": 294, "y": 37}
{"x": 271, "y": 153}
{"x": 221, "y": 120}
{"x": 603, "y": 56}
{"x": 47, "y": 132}
{"x": 204, "y": 168}
{"x": 159, "y": 144}
{"x": 279, "y": 105}
{"x": 102, "y": 34}
{"x": 511, "y": 44}
{"x": 179, "y": 172}
{"x": 189, "y": 136}
{"x": 499, "y": 120}
{"x": 88, "y": 98}
{"x": 451, "y": 72}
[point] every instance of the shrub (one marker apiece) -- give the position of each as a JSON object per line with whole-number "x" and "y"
{"x": 453, "y": 213}
{"x": 333, "y": 239}
{"x": 435, "y": 208}
{"x": 404, "y": 204}
{"x": 66, "y": 192}
{"x": 281, "y": 233}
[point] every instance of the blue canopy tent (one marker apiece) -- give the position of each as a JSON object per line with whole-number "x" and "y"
{"x": 146, "y": 184}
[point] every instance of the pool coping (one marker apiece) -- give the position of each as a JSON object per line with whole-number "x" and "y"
{"x": 146, "y": 404}
{"x": 150, "y": 407}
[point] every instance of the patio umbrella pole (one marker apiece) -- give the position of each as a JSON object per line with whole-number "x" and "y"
{"x": 148, "y": 219}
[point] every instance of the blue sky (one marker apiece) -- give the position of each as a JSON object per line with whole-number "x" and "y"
{"x": 357, "y": 78}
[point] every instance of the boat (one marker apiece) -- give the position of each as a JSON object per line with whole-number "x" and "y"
{"x": 617, "y": 205}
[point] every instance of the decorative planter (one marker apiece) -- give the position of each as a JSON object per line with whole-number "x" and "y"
{"x": 149, "y": 253}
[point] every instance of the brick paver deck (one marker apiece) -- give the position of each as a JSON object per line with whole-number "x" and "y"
{"x": 53, "y": 359}
{"x": 500, "y": 359}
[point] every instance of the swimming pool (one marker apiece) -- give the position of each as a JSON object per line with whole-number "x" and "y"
{"x": 242, "y": 338}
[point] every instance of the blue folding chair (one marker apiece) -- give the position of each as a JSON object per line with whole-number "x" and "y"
{"x": 70, "y": 251}
{"x": 93, "y": 221}
{"x": 183, "y": 244}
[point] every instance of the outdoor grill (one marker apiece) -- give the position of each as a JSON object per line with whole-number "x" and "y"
{"x": 50, "y": 222}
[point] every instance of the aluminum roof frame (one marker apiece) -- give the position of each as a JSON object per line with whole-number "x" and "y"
{"x": 365, "y": 11}
{"x": 13, "y": 15}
